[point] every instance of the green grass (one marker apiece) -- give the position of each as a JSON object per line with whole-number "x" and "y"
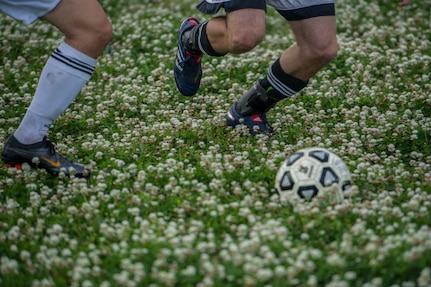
{"x": 176, "y": 199}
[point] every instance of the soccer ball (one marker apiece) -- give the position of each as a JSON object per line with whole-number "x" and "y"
{"x": 312, "y": 172}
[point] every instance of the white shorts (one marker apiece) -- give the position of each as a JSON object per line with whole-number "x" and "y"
{"x": 27, "y": 11}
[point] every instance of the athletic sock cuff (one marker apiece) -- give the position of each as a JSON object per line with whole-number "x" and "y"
{"x": 72, "y": 60}
{"x": 204, "y": 44}
{"x": 283, "y": 83}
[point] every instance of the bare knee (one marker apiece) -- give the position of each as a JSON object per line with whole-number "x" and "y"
{"x": 330, "y": 52}
{"x": 84, "y": 25}
{"x": 245, "y": 41}
{"x": 89, "y": 38}
{"x": 92, "y": 40}
{"x": 323, "y": 53}
{"x": 102, "y": 34}
{"x": 305, "y": 61}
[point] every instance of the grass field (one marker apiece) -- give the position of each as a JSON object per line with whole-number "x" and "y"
{"x": 177, "y": 199}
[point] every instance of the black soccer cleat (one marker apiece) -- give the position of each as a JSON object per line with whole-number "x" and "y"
{"x": 40, "y": 155}
{"x": 188, "y": 67}
{"x": 256, "y": 124}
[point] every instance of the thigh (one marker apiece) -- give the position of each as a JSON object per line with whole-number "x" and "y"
{"x": 316, "y": 32}
{"x": 27, "y": 11}
{"x": 74, "y": 17}
{"x": 247, "y": 21}
{"x": 294, "y": 10}
{"x": 312, "y": 21}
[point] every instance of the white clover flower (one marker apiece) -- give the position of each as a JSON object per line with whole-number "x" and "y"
{"x": 35, "y": 160}
{"x": 8, "y": 265}
{"x": 335, "y": 259}
{"x": 190, "y": 270}
{"x": 264, "y": 274}
{"x": 13, "y": 233}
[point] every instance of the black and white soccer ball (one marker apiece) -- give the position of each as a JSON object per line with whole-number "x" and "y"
{"x": 312, "y": 172}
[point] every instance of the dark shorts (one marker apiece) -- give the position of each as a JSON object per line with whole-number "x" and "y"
{"x": 290, "y": 9}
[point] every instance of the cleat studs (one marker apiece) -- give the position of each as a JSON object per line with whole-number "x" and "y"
{"x": 17, "y": 166}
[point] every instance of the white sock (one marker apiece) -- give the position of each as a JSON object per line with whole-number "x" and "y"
{"x": 64, "y": 75}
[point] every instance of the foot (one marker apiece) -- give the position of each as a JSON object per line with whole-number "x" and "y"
{"x": 41, "y": 155}
{"x": 188, "y": 68}
{"x": 256, "y": 124}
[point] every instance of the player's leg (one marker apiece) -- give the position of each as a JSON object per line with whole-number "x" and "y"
{"x": 239, "y": 31}
{"x": 84, "y": 24}
{"x": 314, "y": 28}
{"x": 316, "y": 45}
{"x": 87, "y": 32}
{"x": 236, "y": 33}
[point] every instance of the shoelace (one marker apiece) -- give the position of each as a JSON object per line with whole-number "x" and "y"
{"x": 51, "y": 148}
{"x": 49, "y": 145}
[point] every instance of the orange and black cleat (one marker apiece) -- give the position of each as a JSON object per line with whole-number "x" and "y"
{"x": 41, "y": 155}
